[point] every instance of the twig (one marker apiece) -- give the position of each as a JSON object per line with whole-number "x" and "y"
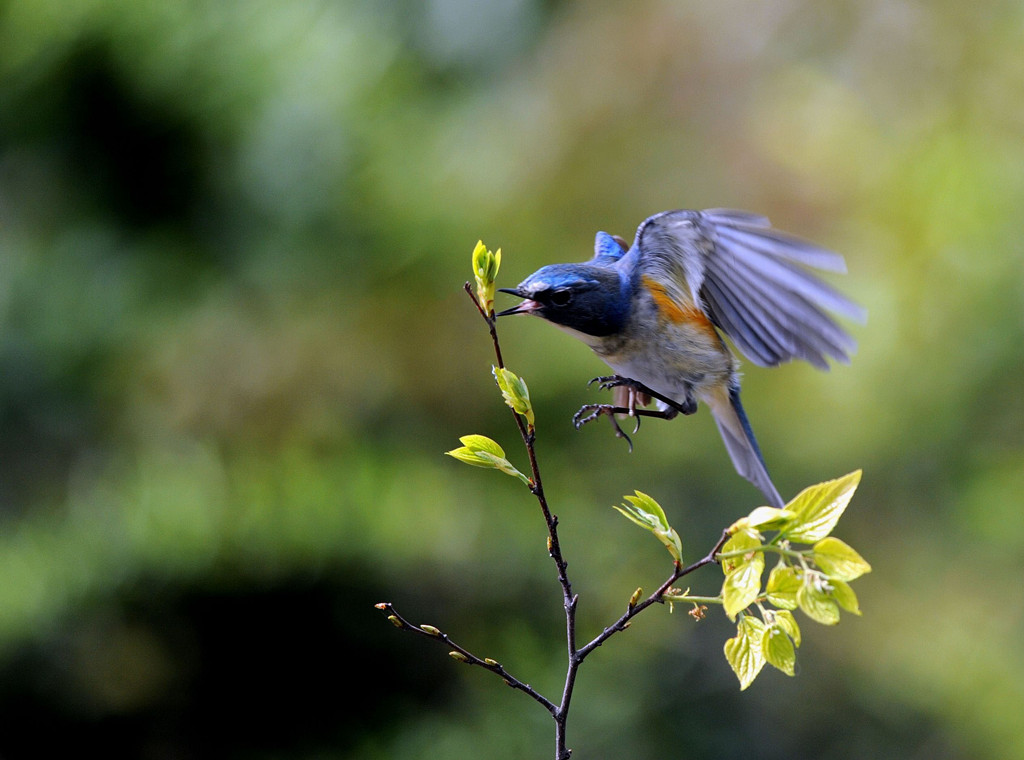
{"x": 463, "y": 655}
{"x": 657, "y": 597}
{"x": 528, "y": 436}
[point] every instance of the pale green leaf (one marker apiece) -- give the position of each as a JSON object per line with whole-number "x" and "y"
{"x": 843, "y": 594}
{"x": 743, "y": 652}
{"x": 637, "y": 517}
{"x": 515, "y": 392}
{"x": 769, "y": 518}
{"x": 506, "y": 467}
{"x": 818, "y": 508}
{"x": 778, "y": 649}
{"x": 479, "y": 259}
{"x": 646, "y": 504}
{"x": 838, "y": 560}
{"x": 782, "y": 587}
{"x": 648, "y": 514}
{"x": 481, "y": 451}
{"x": 469, "y": 456}
{"x": 785, "y": 620}
{"x": 744, "y": 544}
{"x": 485, "y": 270}
{"x": 672, "y": 542}
{"x": 482, "y": 443}
{"x": 816, "y": 600}
{"x": 742, "y": 585}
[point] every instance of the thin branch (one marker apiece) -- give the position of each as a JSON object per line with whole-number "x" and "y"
{"x": 569, "y": 600}
{"x": 528, "y": 436}
{"x": 463, "y": 655}
{"x": 489, "y": 318}
{"x": 657, "y": 597}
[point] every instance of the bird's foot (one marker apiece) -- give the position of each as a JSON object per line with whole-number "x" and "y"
{"x": 628, "y": 393}
{"x": 607, "y": 382}
{"x": 639, "y": 394}
{"x": 591, "y": 412}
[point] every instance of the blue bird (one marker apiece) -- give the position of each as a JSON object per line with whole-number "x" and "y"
{"x": 655, "y": 312}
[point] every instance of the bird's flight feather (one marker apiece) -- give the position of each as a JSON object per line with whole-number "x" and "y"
{"x": 750, "y": 278}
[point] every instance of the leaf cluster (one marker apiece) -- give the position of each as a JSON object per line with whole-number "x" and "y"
{"x": 814, "y": 578}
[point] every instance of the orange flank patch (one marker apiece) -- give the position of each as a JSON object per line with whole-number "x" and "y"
{"x": 671, "y": 309}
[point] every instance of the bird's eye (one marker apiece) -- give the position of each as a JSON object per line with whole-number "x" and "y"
{"x": 561, "y": 297}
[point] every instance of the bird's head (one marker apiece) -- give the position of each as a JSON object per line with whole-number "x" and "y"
{"x": 586, "y": 298}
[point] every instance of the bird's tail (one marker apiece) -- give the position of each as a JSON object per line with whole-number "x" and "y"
{"x": 740, "y": 442}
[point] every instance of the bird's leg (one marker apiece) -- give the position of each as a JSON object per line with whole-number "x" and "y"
{"x": 628, "y": 394}
{"x": 590, "y": 412}
{"x": 636, "y": 388}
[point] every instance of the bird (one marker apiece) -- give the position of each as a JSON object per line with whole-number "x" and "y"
{"x": 657, "y": 312}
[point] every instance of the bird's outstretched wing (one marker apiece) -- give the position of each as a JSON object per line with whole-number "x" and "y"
{"x": 752, "y": 282}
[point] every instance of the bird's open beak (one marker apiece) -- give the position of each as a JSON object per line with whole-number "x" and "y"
{"x": 527, "y": 306}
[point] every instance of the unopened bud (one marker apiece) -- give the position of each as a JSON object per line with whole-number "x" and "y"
{"x": 636, "y": 597}
{"x": 395, "y": 621}
{"x": 458, "y": 656}
{"x": 430, "y": 629}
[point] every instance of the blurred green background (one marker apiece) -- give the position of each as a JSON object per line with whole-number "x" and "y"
{"x": 234, "y": 345}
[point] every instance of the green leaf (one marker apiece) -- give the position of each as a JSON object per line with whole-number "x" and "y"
{"x": 648, "y": 514}
{"x": 515, "y": 392}
{"x": 653, "y": 514}
{"x": 672, "y": 542}
{"x": 743, "y": 652}
{"x": 783, "y": 585}
{"x": 467, "y": 455}
{"x": 765, "y": 518}
{"x": 745, "y": 544}
{"x": 637, "y": 517}
{"x": 816, "y": 600}
{"x": 785, "y": 620}
{"x": 481, "y": 451}
{"x": 778, "y": 649}
{"x": 843, "y": 594}
{"x": 506, "y": 467}
{"x": 742, "y": 585}
{"x": 838, "y": 560}
{"x": 818, "y": 508}
{"x": 482, "y": 443}
{"x": 485, "y": 270}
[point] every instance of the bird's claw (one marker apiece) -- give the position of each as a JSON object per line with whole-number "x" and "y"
{"x": 607, "y": 382}
{"x": 590, "y": 412}
{"x": 638, "y": 392}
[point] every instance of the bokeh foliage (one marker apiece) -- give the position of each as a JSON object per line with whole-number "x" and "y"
{"x": 234, "y": 346}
